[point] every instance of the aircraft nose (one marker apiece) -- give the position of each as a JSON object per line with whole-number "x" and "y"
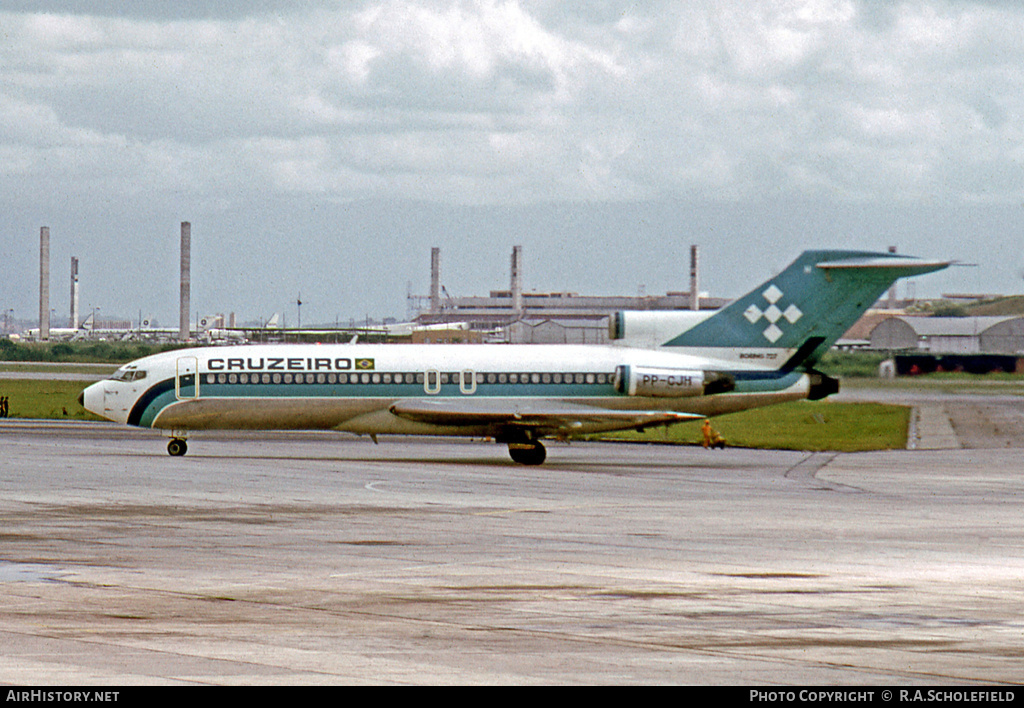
{"x": 92, "y": 399}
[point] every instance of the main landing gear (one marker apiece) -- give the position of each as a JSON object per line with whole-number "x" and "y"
{"x": 527, "y": 453}
{"x": 177, "y": 447}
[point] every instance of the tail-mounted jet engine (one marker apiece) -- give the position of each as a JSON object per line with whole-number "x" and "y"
{"x": 670, "y": 383}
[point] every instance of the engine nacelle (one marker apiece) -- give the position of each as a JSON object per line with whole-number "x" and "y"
{"x": 651, "y": 329}
{"x": 670, "y": 383}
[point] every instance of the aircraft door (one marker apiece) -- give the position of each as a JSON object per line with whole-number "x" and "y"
{"x": 432, "y": 382}
{"x": 467, "y": 382}
{"x": 186, "y": 379}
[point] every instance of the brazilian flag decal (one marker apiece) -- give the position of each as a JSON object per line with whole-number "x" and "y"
{"x": 364, "y": 364}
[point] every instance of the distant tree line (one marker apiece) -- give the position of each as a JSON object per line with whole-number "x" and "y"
{"x": 80, "y": 352}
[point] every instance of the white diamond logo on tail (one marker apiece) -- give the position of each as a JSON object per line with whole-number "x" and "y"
{"x": 773, "y": 313}
{"x": 772, "y": 334}
{"x": 772, "y": 294}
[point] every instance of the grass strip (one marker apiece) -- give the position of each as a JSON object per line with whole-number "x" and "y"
{"x": 801, "y": 425}
{"x": 48, "y": 399}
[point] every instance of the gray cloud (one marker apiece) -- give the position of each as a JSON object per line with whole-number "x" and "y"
{"x": 177, "y": 10}
{"x": 293, "y": 111}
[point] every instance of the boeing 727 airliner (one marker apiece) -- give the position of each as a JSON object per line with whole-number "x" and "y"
{"x": 663, "y": 368}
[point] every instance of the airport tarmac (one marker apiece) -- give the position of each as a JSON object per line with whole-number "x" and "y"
{"x": 313, "y": 558}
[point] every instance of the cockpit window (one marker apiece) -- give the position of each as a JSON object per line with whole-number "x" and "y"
{"x": 129, "y": 375}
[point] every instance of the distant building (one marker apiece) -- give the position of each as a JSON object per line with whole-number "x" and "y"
{"x": 950, "y": 335}
{"x": 565, "y": 331}
{"x": 545, "y": 318}
{"x": 446, "y": 336}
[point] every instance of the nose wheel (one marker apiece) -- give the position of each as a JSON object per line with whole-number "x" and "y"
{"x": 177, "y": 447}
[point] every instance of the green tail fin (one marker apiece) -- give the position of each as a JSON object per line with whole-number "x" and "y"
{"x": 806, "y": 307}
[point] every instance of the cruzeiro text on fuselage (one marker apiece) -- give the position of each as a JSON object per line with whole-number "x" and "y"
{"x": 289, "y": 364}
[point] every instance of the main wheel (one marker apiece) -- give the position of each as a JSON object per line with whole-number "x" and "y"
{"x": 527, "y": 453}
{"x": 176, "y": 447}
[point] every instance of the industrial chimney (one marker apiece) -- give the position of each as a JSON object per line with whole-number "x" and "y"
{"x": 186, "y": 277}
{"x": 892, "y": 288}
{"x": 435, "y": 280}
{"x": 517, "y": 281}
{"x": 694, "y": 279}
{"x": 74, "y": 321}
{"x": 44, "y": 283}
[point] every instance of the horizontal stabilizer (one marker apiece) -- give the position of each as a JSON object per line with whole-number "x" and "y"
{"x": 905, "y": 266}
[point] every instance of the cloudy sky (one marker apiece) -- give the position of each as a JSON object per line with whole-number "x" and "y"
{"x": 322, "y": 147}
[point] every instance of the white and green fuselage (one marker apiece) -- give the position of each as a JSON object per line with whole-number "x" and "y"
{"x": 758, "y": 351}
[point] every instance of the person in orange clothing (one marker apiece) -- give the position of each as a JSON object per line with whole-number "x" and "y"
{"x": 712, "y": 438}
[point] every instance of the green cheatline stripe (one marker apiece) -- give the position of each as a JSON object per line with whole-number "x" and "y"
{"x": 163, "y": 394}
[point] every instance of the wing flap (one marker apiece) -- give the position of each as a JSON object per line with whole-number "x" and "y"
{"x": 540, "y": 415}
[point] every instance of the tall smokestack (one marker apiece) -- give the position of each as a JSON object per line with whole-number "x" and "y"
{"x": 517, "y": 281}
{"x": 44, "y": 283}
{"x": 435, "y": 280}
{"x": 694, "y": 278}
{"x": 186, "y": 280}
{"x": 892, "y": 289}
{"x": 74, "y": 321}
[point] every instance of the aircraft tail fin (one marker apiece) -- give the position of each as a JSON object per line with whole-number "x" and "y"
{"x": 808, "y": 306}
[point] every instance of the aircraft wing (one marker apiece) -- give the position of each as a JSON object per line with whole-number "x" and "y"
{"x": 546, "y": 417}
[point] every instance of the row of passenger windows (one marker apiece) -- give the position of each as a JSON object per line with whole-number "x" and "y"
{"x": 419, "y": 378}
